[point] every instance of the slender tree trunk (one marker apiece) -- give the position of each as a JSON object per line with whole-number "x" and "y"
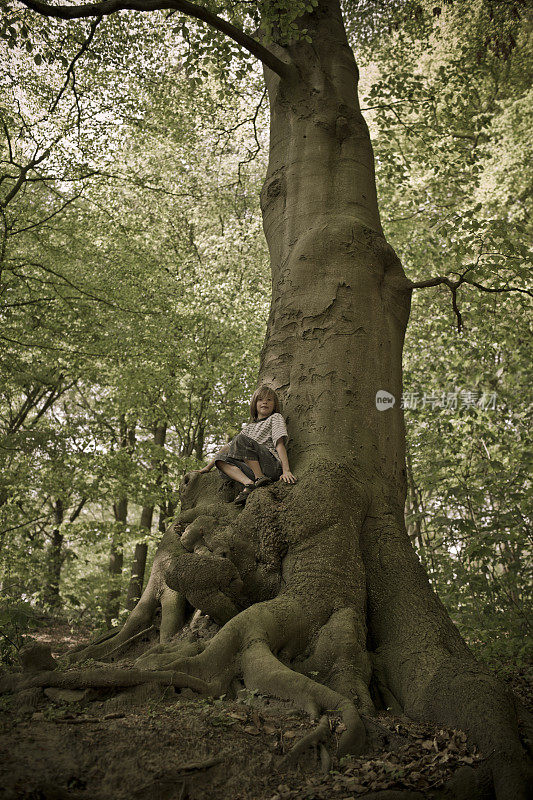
{"x": 116, "y": 562}
{"x": 199, "y": 443}
{"x": 415, "y": 509}
{"x": 54, "y": 559}
{"x": 120, "y": 512}
{"x": 141, "y": 549}
{"x": 161, "y": 526}
{"x": 135, "y": 586}
{"x": 167, "y": 508}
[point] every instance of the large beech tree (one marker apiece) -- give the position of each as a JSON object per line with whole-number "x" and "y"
{"x": 320, "y": 595}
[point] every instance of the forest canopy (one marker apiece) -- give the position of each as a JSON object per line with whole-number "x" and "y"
{"x": 134, "y": 292}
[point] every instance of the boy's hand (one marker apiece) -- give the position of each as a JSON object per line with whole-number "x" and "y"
{"x": 194, "y": 471}
{"x": 288, "y": 477}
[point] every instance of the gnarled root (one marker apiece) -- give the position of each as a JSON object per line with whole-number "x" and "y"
{"x": 244, "y": 649}
{"x": 288, "y": 579}
{"x": 315, "y": 626}
{"x": 115, "y": 644}
{"x": 103, "y": 679}
{"x": 313, "y": 739}
{"x": 191, "y": 569}
{"x": 263, "y": 671}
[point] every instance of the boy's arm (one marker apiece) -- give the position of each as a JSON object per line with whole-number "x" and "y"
{"x": 287, "y": 476}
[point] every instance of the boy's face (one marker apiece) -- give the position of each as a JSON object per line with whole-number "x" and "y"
{"x": 264, "y": 406}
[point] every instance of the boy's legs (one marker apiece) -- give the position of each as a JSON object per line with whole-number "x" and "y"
{"x": 259, "y": 459}
{"x": 255, "y": 467}
{"x": 247, "y": 458}
{"x": 233, "y": 472}
{"x": 253, "y": 454}
{"x": 270, "y": 465}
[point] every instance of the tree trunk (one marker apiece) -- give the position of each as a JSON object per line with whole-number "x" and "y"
{"x": 116, "y": 562}
{"x": 54, "y": 560}
{"x": 141, "y": 549}
{"x": 340, "y": 305}
{"x": 167, "y": 507}
{"x": 120, "y": 512}
{"x": 415, "y": 510}
{"x": 200, "y": 440}
{"x": 139, "y": 560}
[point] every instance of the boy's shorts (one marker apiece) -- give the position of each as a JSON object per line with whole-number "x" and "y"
{"x": 244, "y": 447}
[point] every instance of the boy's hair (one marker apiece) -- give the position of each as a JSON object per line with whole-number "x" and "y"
{"x": 264, "y": 391}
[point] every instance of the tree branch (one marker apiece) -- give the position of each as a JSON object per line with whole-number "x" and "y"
{"x": 70, "y": 70}
{"x": 448, "y": 282}
{"x": 23, "y": 524}
{"x": 106, "y": 7}
{"x": 22, "y": 177}
{"x": 454, "y": 285}
{"x": 498, "y": 288}
{"x": 77, "y": 511}
{"x": 8, "y": 139}
{"x": 79, "y": 289}
{"x": 430, "y": 282}
{"x": 48, "y": 218}
{"x": 54, "y": 395}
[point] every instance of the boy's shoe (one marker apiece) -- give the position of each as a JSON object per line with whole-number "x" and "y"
{"x": 262, "y": 481}
{"x": 242, "y": 497}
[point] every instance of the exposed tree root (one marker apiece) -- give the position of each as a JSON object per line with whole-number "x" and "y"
{"x": 285, "y": 578}
{"x": 377, "y": 734}
{"x": 320, "y": 734}
{"x": 207, "y": 580}
{"x": 97, "y": 640}
{"x": 103, "y": 679}
{"x": 119, "y": 649}
{"x": 325, "y": 759}
{"x": 170, "y": 779}
{"x": 263, "y": 671}
{"x": 116, "y": 643}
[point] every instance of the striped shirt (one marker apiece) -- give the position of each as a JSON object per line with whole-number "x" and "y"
{"x": 267, "y": 431}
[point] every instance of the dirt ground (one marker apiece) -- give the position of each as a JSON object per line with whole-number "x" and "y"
{"x": 156, "y": 743}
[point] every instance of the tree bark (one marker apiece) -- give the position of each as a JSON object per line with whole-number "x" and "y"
{"x": 116, "y": 562}
{"x": 339, "y": 295}
{"x": 415, "y": 509}
{"x": 120, "y": 513}
{"x": 54, "y": 560}
{"x": 141, "y": 549}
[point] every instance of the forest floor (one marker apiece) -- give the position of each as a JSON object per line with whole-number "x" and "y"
{"x": 151, "y": 743}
